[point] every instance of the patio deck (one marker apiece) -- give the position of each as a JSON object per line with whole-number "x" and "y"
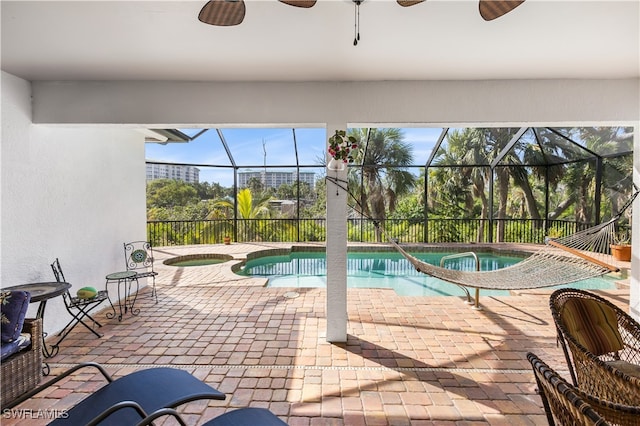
{"x": 407, "y": 361}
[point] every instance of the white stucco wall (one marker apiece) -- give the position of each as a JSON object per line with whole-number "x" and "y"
{"x": 76, "y": 193}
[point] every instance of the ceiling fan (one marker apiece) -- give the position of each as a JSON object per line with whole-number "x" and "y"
{"x": 227, "y": 13}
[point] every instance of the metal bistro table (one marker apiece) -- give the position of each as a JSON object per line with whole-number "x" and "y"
{"x": 42, "y": 292}
{"x": 123, "y": 278}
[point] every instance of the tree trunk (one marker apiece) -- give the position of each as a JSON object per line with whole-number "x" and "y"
{"x": 503, "y": 194}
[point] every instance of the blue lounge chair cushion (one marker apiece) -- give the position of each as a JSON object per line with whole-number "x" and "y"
{"x": 250, "y": 416}
{"x": 152, "y": 389}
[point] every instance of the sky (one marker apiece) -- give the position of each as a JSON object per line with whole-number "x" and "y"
{"x": 251, "y": 148}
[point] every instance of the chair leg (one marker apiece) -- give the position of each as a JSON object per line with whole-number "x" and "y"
{"x": 71, "y": 325}
{"x": 78, "y": 319}
{"x": 154, "y": 292}
{"x": 572, "y": 373}
{"x": 85, "y": 314}
{"x": 91, "y": 329}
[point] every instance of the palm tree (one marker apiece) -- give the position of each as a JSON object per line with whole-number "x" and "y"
{"x": 468, "y": 147}
{"x": 383, "y": 155}
{"x": 607, "y": 141}
{"x": 477, "y": 148}
{"x": 248, "y": 209}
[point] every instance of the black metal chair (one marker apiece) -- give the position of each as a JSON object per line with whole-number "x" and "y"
{"x": 78, "y": 307}
{"x": 138, "y": 256}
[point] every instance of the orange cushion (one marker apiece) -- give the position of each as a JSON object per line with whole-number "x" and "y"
{"x": 593, "y": 324}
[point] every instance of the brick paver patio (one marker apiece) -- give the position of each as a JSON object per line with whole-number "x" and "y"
{"x": 407, "y": 361}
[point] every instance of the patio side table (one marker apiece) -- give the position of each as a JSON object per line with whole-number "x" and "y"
{"x": 126, "y": 300}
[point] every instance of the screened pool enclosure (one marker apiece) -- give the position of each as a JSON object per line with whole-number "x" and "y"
{"x": 428, "y": 185}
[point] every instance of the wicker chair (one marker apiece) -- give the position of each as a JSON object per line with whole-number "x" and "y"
{"x": 604, "y": 343}
{"x": 22, "y": 371}
{"x": 566, "y": 404}
{"x": 561, "y": 402}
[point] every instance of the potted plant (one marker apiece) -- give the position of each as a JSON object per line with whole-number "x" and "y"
{"x": 341, "y": 149}
{"x": 621, "y": 246}
{"x": 226, "y": 240}
{"x": 552, "y": 234}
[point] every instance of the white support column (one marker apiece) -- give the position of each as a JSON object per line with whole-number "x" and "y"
{"x": 336, "y": 251}
{"x": 634, "y": 291}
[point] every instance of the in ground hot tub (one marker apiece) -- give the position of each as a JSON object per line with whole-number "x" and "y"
{"x": 200, "y": 259}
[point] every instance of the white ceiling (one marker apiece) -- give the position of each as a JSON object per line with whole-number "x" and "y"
{"x": 434, "y": 40}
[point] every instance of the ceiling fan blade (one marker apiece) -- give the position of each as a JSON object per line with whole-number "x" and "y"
{"x": 492, "y": 9}
{"x": 407, "y": 3}
{"x": 299, "y": 3}
{"x": 223, "y": 13}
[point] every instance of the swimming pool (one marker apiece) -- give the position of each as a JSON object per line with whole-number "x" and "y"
{"x": 385, "y": 270}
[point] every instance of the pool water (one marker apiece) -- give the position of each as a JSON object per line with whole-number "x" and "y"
{"x": 386, "y": 270}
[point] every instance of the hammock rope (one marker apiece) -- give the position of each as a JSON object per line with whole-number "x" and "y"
{"x": 579, "y": 256}
{"x": 544, "y": 268}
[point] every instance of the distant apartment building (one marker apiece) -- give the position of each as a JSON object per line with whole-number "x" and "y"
{"x": 189, "y": 174}
{"x": 273, "y": 179}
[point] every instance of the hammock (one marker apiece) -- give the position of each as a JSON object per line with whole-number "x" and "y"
{"x": 582, "y": 255}
{"x": 544, "y": 268}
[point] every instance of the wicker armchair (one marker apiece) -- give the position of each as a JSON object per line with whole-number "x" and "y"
{"x": 22, "y": 372}
{"x": 604, "y": 343}
{"x": 561, "y": 403}
{"x": 566, "y": 404}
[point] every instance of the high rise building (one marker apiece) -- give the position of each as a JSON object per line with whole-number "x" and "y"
{"x": 273, "y": 179}
{"x": 189, "y": 174}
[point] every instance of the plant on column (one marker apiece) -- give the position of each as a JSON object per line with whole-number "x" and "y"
{"x": 341, "y": 149}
